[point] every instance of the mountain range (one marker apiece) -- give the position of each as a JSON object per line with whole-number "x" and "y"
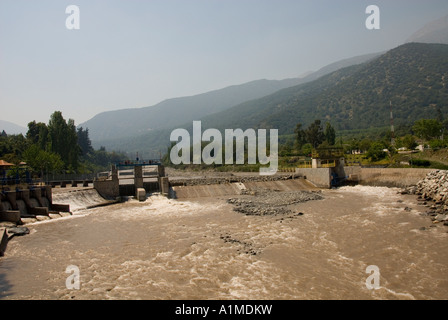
{"x": 11, "y": 128}
{"x": 434, "y": 32}
{"x": 122, "y": 130}
{"x": 353, "y": 93}
{"x": 412, "y": 77}
{"x": 175, "y": 112}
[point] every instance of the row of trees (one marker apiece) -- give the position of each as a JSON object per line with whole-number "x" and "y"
{"x": 56, "y": 147}
{"x": 56, "y": 144}
{"x": 315, "y": 134}
{"x": 425, "y": 131}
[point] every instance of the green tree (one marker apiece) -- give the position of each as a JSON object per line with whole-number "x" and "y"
{"x": 286, "y": 149}
{"x": 64, "y": 140}
{"x": 38, "y": 134}
{"x": 428, "y": 129}
{"x": 409, "y": 142}
{"x": 376, "y": 152}
{"x": 437, "y": 144}
{"x": 307, "y": 148}
{"x": 364, "y": 145}
{"x": 42, "y": 161}
{"x": 12, "y": 147}
{"x": 84, "y": 141}
{"x": 353, "y": 146}
{"x": 330, "y": 134}
{"x": 314, "y": 134}
{"x": 300, "y": 136}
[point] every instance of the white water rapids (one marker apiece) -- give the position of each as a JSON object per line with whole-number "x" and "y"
{"x": 202, "y": 249}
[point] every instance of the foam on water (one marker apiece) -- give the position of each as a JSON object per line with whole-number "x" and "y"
{"x": 79, "y": 199}
{"x": 169, "y": 249}
{"x": 386, "y": 293}
{"x": 368, "y": 190}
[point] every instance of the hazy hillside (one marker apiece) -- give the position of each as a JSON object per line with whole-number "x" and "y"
{"x": 174, "y": 112}
{"x": 342, "y": 64}
{"x": 412, "y": 76}
{"x": 11, "y": 128}
{"x": 434, "y": 32}
{"x": 125, "y": 135}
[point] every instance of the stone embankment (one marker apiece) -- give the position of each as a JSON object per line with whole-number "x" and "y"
{"x": 433, "y": 193}
{"x": 194, "y": 178}
{"x": 230, "y": 179}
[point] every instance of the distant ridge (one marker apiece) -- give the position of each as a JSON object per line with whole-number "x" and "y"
{"x": 412, "y": 76}
{"x": 122, "y": 129}
{"x": 434, "y": 32}
{"x": 11, "y": 128}
{"x": 174, "y": 112}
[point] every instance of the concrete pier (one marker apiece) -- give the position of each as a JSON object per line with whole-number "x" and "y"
{"x": 138, "y": 177}
{"x": 18, "y": 206}
{"x": 108, "y": 188}
{"x": 3, "y": 241}
{"x": 381, "y": 177}
{"x": 164, "y": 186}
{"x": 151, "y": 178}
{"x": 28, "y": 203}
{"x": 10, "y": 216}
{"x": 141, "y": 194}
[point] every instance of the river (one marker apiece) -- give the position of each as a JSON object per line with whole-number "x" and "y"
{"x": 202, "y": 249}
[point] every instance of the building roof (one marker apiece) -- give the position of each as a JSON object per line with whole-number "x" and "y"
{"x": 3, "y": 163}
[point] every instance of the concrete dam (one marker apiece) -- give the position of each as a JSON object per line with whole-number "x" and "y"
{"x": 235, "y": 188}
{"x": 23, "y": 204}
{"x": 127, "y": 180}
{"x": 40, "y": 203}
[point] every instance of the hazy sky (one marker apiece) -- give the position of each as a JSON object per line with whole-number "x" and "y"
{"x": 136, "y": 53}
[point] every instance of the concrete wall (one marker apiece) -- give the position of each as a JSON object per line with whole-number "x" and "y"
{"x": 108, "y": 189}
{"x": 392, "y": 177}
{"x": 111, "y": 188}
{"x": 320, "y": 177}
{"x": 35, "y": 202}
{"x": 164, "y": 186}
{"x": 381, "y": 177}
{"x": 3, "y": 241}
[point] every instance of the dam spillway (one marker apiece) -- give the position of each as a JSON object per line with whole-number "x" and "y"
{"x": 229, "y": 189}
{"x": 81, "y": 199}
{"x": 29, "y": 203}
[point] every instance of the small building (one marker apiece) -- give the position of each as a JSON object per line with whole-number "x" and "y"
{"x": 5, "y": 165}
{"x": 328, "y": 158}
{"x": 333, "y": 159}
{"x": 420, "y": 147}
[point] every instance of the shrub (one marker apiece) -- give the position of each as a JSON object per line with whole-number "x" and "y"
{"x": 420, "y": 163}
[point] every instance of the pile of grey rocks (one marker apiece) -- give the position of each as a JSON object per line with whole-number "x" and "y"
{"x": 187, "y": 181}
{"x": 262, "y": 202}
{"x": 433, "y": 193}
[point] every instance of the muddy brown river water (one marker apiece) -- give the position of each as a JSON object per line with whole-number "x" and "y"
{"x": 202, "y": 249}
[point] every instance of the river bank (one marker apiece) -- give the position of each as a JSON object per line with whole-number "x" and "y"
{"x": 204, "y": 249}
{"x": 306, "y": 245}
